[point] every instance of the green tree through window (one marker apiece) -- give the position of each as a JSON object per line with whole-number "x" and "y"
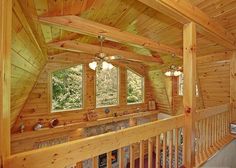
{"x": 135, "y": 90}
{"x": 67, "y": 88}
{"x": 107, "y": 87}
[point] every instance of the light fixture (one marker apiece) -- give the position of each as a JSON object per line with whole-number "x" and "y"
{"x": 93, "y": 65}
{"x": 173, "y": 71}
{"x": 101, "y": 58}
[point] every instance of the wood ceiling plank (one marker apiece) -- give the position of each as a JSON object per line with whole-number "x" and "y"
{"x": 75, "y": 46}
{"x": 80, "y": 25}
{"x": 185, "y": 12}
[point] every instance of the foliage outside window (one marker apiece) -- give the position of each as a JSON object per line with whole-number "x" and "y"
{"x": 107, "y": 87}
{"x": 181, "y": 86}
{"x": 135, "y": 89}
{"x": 67, "y": 88}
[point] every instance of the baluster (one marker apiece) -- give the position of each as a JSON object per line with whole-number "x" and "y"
{"x": 157, "y": 151}
{"x": 121, "y": 157}
{"x": 79, "y": 165}
{"x": 141, "y": 154}
{"x": 131, "y": 156}
{"x": 207, "y": 136}
{"x": 109, "y": 154}
{"x": 95, "y": 162}
{"x": 171, "y": 149}
{"x": 176, "y": 147}
{"x": 164, "y": 149}
{"x": 150, "y": 152}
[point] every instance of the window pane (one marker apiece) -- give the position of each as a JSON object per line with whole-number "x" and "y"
{"x": 107, "y": 87}
{"x": 67, "y": 88}
{"x": 135, "y": 88}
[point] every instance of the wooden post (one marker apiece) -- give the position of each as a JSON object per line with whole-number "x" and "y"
{"x": 189, "y": 98}
{"x": 233, "y": 85}
{"x": 5, "y": 78}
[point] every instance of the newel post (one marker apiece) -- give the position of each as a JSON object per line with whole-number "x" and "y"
{"x": 5, "y": 78}
{"x": 233, "y": 85}
{"x": 189, "y": 97}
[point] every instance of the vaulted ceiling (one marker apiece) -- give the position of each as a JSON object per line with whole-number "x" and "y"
{"x": 31, "y": 37}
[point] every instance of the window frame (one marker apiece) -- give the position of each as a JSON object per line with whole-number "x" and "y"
{"x": 118, "y": 90}
{"x": 143, "y": 87}
{"x": 51, "y": 90}
{"x": 182, "y": 84}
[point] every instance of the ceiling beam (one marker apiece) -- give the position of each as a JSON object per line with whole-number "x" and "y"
{"x": 91, "y": 28}
{"x": 184, "y": 12}
{"x": 75, "y": 46}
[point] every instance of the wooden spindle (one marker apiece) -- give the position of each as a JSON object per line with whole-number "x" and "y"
{"x": 171, "y": 149}
{"x": 164, "y": 149}
{"x": 150, "y": 152}
{"x": 131, "y": 156}
{"x": 95, "y": 162}
{"x": 176, "y": 147}
{"x": 141, "y": 154}
{"x": 79, "y": 165}
{"x": 109, "y": 164}
{"x": 121, "y": 157}
{"x": 158, "y": 149}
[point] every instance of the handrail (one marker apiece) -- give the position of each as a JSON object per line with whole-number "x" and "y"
{"x": 72, "y": 152}
{"x": 74, "y": 126}
{"x": 211, "y": 111}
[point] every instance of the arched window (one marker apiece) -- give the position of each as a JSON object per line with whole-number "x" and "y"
{"x": 67, "y": 89}
{"x": 135, "y": 88}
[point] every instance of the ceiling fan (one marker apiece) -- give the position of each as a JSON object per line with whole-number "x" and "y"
{"x": 102, "y": 60}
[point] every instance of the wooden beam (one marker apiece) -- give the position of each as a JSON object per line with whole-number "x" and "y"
{"x": 189, "y": 97}
{"x": 233, "y": 85}
{"x": 88, "y": 27}
{"x": 184, "y": 12}
{"x": 5, "y": 78}
{"x": 76, "y": 46}
{"x": 75, "y": 151}
{"x": 19, "y": 12}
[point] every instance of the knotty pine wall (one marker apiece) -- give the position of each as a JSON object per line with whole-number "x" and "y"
{"x": 37, "y": 107}
{"x": 27, "y": 62}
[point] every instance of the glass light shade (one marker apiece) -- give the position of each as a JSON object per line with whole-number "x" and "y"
{"x": 168, "y": 73}
{"x": 177, "y": 73}
{"x": 93, "y": 65}
{"x": 105, "y": 65}
{"x": 110, "y": 66}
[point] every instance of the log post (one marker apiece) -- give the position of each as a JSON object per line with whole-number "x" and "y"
{"x": 189, "y": 97}
{"x": 5, "y": 78}
{"x": 233, "y": 85}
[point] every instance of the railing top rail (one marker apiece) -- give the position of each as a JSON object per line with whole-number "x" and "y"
{"x": 211, "y": 111}
{"x": 72, "y": 152}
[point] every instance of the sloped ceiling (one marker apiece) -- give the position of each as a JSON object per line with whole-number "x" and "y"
{"x": 27, "y": 62}
{"x": 130, "y": 16}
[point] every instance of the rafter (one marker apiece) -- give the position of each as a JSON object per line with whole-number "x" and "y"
{"x": 184, "y": 12}
{"x": 76, "y": 46}
{"x": 87, "y": 27}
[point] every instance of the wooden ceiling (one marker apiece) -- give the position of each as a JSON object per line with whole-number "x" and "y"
{"x": 125, "y": 15}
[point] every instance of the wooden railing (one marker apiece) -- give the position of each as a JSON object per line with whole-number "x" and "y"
{"x": 158, "y": 143}
{"x": 212, "y": 132}
{"x": 163, "y": 138}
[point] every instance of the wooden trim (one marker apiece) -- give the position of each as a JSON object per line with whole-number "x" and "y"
{"x": 75, "y": 46}
{"x": 88, "y": 27}
{"x": 64, "y": 154}
{"x": 189, "y": 97}
{"x": 5, "y": 78}
{"x": 184, "y": 12}
{"x": 233, "y": 85}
